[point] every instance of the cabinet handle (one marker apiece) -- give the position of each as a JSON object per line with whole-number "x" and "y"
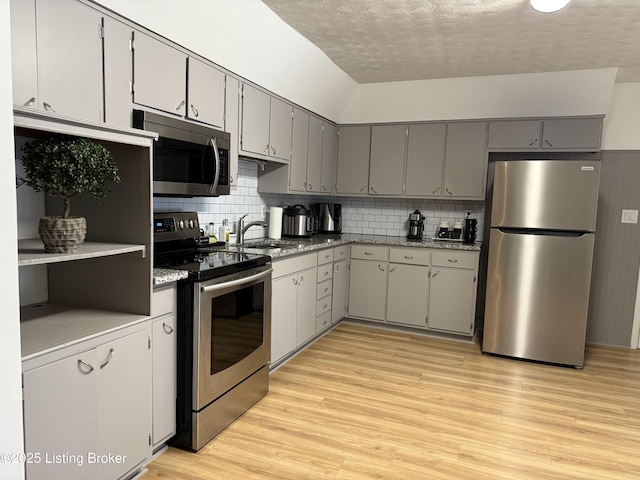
{"x": 435, "y": 191}
{"x": 337, "y": 267}
{"x": 548, "y": 143}
{"x": 30, "y": 102}
{"x": 109, "y": 357}
{"x": 273, "y": 150}
{"x": 448, "y": 191}
{"x": 310, "y": 186}
{"x": 452, "y": 260}
{"x": 380, "y": 268}
{"x": 301, "y": 280}
{"x": 363, "y": 189}
{"x": 266, "y": 149}
{"x": 535, "y": 140}
{"x": 323, "y": 188}
{"x": 181, "y": 105}
{"x": 167, "y": 328}
{"x": 392, "y": 269}
{"x": 373, "y": 189}
{"x": 48, "y": 107}
{"x": 231, "y": 179}
{"x": 368, "y": 253}
{"x": 326, "y": 289}
{"x": 408, "y": 257}
{"x": 195, "y": 111}
{"x": 82, "y": 363}
{"x": 326, "y": 273}
{"x": 295, "y": 281}
{"x": 435, "y": 274}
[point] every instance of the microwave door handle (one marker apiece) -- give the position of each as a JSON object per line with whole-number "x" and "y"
{"x": 236, "y": 283}
{"x": 216, "y": 175}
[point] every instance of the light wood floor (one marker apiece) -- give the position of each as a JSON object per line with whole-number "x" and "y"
{"x": 366, "y": 403}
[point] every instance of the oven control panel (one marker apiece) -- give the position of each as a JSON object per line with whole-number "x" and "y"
{"x": 175, "y": 225}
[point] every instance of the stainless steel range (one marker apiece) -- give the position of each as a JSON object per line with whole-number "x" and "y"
{"x": 224, "y": 328}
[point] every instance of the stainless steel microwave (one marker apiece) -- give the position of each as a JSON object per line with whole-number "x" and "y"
{"x": 189, "y": 160}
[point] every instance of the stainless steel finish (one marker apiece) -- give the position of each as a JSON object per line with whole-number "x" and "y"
{"x": 328, "y": 217}
{"x": 216, "y": 417}
{"x": 167, "y": 328}
{"x": 48, "y": 107}
{"x": 537, "y": 296}
{"x": 181, "y": 105}
{"x": 546, "y": 194}
{"x": 195, "y": 111}
{"x": 204, "y": 390}
{"x": 82, "y": 363}
{"x": 109, "y": 357}
{"x": 30, "y": 102}
{"x": 242, "y": 228}
{"x": 540, "y": 257}
{"x": 216, "y": 155}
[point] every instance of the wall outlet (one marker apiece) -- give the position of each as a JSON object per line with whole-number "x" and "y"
{"x": 629, "y": 216}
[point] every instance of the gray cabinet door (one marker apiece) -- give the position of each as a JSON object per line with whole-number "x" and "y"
{"x": 452, "y": 300}
{"x": 283, "y": 316}
{"x": 232, "y": 125}
{"x": 24, "y": 60}
{"x": 575, "y": 133}
{"x": 306, "y": 306}
{"x": 164, "y": 377}
{"x": 517, "y": 134}
{"x": 299, "y": 151}
{"x": 425, "y": 159}
{"x": 340, "y": 298}
{"x": 353, "y": 159}
{"x": 280, "y": 124}
{"x": 314, "y": 155}
{"x": 117, "y": 72}
{"x": 160, "y": 79}
{"x": 329, "y": 158}
{"x": 69, "y": 45}
{"x": 205, "y": 93}
{"x": 408, "y": 294}
{"x": 368, "y": 289}
{"x": 255, "y": 120}
{"x": 465, "y": 160}
{"x": 386, "y": 168}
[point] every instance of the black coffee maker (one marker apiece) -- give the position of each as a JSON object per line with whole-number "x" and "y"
{"x": 470, "y": 229}
{"x": 416, "y": 225}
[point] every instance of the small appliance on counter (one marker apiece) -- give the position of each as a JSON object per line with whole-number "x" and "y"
{"x": 470, "y": 229}
{"x": 443, "y": 229}
{"x": 328, "y": 217}
{"x": 297, "y": 221}
{"x": 416, "y": 225}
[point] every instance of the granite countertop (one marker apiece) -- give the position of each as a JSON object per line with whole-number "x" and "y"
{"x": 287, "y": 247}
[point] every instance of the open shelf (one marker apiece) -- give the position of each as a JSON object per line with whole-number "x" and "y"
{"x": 31, "y": 252}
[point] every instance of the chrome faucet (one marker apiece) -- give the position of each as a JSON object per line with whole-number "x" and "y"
{"x": 242, "y": 228}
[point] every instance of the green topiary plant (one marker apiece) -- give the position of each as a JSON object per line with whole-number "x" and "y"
{"x": 65, "y": 166}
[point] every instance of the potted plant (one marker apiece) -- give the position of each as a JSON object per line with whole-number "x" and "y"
{"x": 65, "y": 166}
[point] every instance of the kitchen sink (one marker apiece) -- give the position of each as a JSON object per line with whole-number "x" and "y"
{"x": 268, "y": 244}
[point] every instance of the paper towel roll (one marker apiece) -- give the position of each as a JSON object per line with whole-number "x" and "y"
{"x": 275, "y": 223}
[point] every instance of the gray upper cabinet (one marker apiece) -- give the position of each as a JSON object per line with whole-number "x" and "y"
{"x": 425, "y": 159}
{"x": 329, "y": 158}
{"x": 552, "y": 134}
{"x": 117, "y": 72}
{"x": 232, "y": 125}
{"x": 266, "y": 125}
{"x": 354, "y": 144}
{"x": 575, "y": 133}
{"x": 299, "y": 151}
{"x": 57, "y": 62}
{"x": 465, "y": 160}
{"x": 160, "y": 79}
{"x": 516, "y": 134}
{"x": 314, "y": 155}
{"x": 206, "y": 93}
{"x": 386, "y": 169}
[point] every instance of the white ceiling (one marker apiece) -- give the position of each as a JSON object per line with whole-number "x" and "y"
{"x": 395, "y": 40}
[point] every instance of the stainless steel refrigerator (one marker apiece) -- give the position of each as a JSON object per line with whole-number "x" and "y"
{"x": 543, "y": 220}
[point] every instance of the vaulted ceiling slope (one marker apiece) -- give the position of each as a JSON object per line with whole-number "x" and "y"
{"x": 395, "y": 40}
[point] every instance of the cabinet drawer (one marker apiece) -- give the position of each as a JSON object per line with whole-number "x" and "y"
{"x": 412, "y": 256}
{"x": 163, "y": 300}
{"x": 370, "y": 252}
{"x": 323, "y": 322}
{"x": 341, "y": 252}
{"x": 444, "y": 258}
{"x": 323, "y": 306}
{"x": 323, "y": 289}
{"x": 325, "y": 272}
{"x": 291, "y": 265}
{"x": 325, "y": 256}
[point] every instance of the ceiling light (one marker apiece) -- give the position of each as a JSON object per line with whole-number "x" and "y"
{"x": 548, "y": 6}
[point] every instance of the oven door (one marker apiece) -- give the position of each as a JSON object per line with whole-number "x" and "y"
{"x": 232, "y": 332}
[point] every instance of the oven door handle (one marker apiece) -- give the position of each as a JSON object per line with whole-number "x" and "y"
{"x": 234, "y": 283}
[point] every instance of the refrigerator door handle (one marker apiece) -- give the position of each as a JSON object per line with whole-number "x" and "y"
{"x": 548, "y": 233}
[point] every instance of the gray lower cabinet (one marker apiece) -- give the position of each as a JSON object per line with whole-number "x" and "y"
{"x": 159, "y": 75}
{"x": 103, "y": 408}
{"x": 425, "y": 160}
{"x": 386, "y": 168}
{"x": 354, "y": 144}
{"x": 340, "y": 297}
{"x": 465, "y": 160}
{"x": 57, "y": 63}
{"x": 452, "y": 293}
{"x": 368, "y": 281}
{"x": 408, "y": 291}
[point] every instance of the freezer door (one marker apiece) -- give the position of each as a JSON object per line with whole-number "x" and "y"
{"x": 546, "y": 194}
{"x": 538, "y": 296}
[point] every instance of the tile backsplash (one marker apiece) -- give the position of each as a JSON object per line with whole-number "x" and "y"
{"x": 377, "y": 216}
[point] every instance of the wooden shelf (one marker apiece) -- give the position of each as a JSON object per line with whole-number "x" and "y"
{"x": 31, "y": 252}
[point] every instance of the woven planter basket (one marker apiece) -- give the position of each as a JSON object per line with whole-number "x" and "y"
{"x": 62, "y": 235}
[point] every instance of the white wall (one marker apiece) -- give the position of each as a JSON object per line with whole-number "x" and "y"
{"x": 621, "y": 129}
{"x": 11, "y": 397}
{"x": 251, "y": 41}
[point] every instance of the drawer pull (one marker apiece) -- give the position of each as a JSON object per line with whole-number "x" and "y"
{"x": 408, "y": 257}
{"x": 368, "y": 253}
{"x": 452, "y": 260}
{"x": 326, "y": 273}
{"x": 167, "y": 328}
{"x": 380, "y": 268}
{"x": 326, "y": 289}
{"x": 82, "y": 363}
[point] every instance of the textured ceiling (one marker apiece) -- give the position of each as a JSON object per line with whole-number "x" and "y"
{"x": 395, "y": 40}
